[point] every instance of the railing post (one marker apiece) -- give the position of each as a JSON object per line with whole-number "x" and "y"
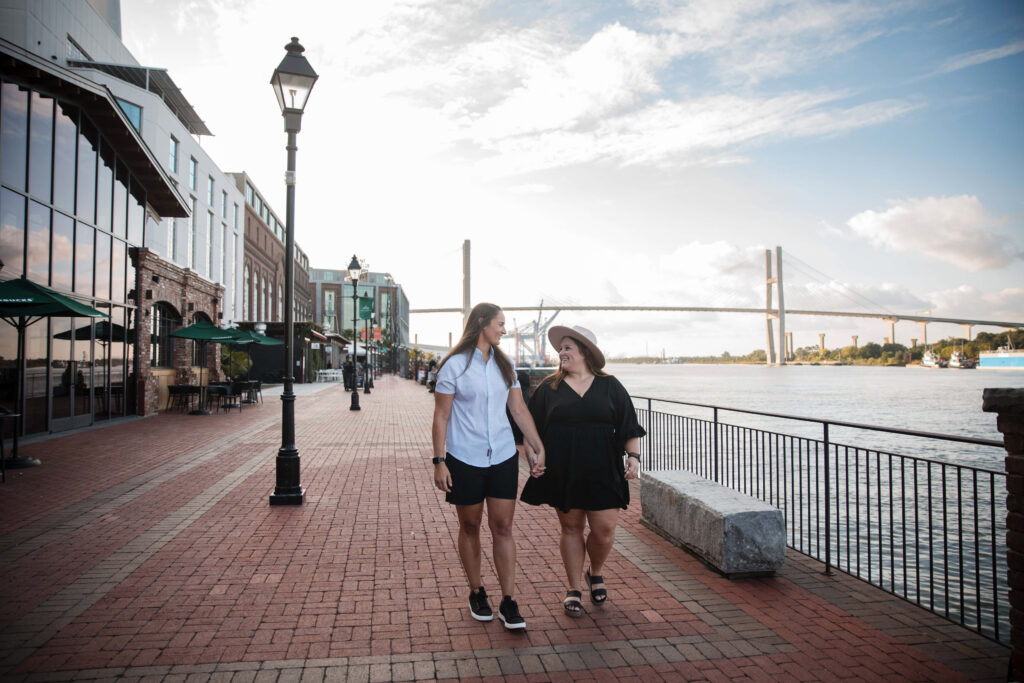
{"x": 715, "y": 447}
{"x": 1009, "y": 405}
{"x": 828, "y": 506}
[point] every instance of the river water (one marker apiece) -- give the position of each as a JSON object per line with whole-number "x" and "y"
{"x": 931, "y": 400}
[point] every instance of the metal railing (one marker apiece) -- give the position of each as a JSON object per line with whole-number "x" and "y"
{"x": 927, "y": 530}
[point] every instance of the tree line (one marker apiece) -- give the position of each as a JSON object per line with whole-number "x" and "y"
{"x": 871, "y": 353}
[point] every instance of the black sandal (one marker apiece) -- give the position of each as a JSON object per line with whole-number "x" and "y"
{"x": 573, "y": 604}
{"x": 598, "y": 596}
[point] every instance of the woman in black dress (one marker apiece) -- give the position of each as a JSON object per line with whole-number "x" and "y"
{"x": 587, "y": 423}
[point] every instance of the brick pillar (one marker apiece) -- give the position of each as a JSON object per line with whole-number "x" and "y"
{"x": 1009, "y": 405}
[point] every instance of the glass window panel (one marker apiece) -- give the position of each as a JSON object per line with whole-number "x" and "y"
{"x": 118, "y": 255}
{"x": 193, "y": 170}
{"x": 192, "y": 236}
{"x": 223, "y": 204}
{"x": 8, "y": 369}
{"x": 12, "y": 232}
{"x": 40, "y": 147}
{"x": 13, "y": 134}
{"x": 163, "y": 320}
{"x": 63, "y": 369}
{"x": 84, "y": 235}
{"x": 38, "y": 261}
{"x": 120, "y": 225}
{"x": 129, "y": 279}
{"x": 136, "y": 214}
{"x": 88, "y": 144}
{"x": 65, "y": 142}
{"x": 102, "y": 265}
{"x": 35, "y": 380}
{"x": 209, "y": 191}
{"x": 133, "y": 112}
{"x": 173, "y": 161}
{"x": 63, "y": 251}
{"x": 104, "y": 187}
{"x": 210, "y": 239}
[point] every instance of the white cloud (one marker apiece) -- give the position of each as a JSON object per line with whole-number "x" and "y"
{"x": 970, "y": 302}
{"x": 957, "y": 230}
{"x": 969, "y": 59}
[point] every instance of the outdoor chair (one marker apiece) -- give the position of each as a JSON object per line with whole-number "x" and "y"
{"x": 233, "y": 396}
{"x": 178, "y": 396}
{"x": 215, "y": 395}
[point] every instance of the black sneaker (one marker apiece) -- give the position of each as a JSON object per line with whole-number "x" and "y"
{"x": 478, "y": 606}
{"x": 508, "y": 612}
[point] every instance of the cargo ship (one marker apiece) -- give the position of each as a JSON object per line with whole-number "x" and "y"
{"x": 1002, "y": 359}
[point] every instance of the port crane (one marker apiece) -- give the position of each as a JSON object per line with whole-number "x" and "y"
{"x": 532, "y": 339}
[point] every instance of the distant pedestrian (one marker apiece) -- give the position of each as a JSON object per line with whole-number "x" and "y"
{"x": 587, "y": 422}
{"x": 475, "y": 457}
{"x": 348, "y": 373}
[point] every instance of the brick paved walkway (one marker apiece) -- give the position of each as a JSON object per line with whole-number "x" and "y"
{"x": 147, "y": 550}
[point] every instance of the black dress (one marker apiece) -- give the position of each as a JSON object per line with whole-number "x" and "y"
{"x": 584, "y": 441}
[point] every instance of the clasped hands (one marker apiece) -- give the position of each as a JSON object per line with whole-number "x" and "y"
{"x": 535, "y": 458}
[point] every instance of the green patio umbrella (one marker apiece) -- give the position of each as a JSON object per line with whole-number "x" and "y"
{"x": 23, "y": 303}
{"x": 253, "y": 338}
{"x": 104, "y": 329}
{"x": 203, "y": 332}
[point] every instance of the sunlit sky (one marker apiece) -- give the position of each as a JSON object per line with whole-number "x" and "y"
{"x": 642, "y": 152}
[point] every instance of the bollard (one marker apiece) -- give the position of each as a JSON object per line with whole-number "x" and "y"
{"x": 1009, "y": 405}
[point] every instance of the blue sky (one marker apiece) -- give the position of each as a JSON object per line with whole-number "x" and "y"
{"x": 640, "y": 152}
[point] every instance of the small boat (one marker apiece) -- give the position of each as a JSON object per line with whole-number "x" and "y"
{"x": 959, "y": 359}
{"x": 932, "y": 360}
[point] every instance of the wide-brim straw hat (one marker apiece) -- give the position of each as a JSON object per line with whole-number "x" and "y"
{"x": 581, "y": 335}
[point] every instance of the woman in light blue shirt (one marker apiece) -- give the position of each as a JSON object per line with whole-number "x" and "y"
{"x": 475, "y": 456}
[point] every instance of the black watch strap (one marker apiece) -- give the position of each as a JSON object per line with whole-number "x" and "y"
{"x": 436, "y": 460}
{"x": 634, "y": 455}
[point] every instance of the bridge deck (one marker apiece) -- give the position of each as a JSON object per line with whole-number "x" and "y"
{"x": 147, "y": 550}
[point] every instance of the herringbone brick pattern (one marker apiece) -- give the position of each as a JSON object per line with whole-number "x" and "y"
{"x": 147, "y": 550}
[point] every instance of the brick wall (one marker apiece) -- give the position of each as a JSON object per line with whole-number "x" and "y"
{"x": 1009, "y": 405}
{"x": 188, "y": 293}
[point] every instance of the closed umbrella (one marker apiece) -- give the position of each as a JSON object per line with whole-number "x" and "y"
{"x": 24, "y": 303}
{"x": 203, "y": 332}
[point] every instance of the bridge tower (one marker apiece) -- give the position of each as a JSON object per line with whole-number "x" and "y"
{"x": 770, "y": 314}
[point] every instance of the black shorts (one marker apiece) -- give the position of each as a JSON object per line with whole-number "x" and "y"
{"x": 470, "y": 485}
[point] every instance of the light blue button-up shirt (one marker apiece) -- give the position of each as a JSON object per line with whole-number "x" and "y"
{"x": 478, "y": 430}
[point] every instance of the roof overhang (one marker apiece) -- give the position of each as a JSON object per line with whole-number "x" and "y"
{"x": 99, "y": 103}
{"x": 156, "y": 81}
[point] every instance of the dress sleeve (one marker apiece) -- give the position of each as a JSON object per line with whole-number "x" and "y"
{"x": 539, "y": 406}
{"x": 626, "y": 424}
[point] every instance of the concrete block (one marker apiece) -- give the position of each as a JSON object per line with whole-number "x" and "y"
{"x": 733, "y": 532}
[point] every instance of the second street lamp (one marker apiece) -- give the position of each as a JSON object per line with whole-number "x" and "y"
{"x": 353, "y": 275}
{"x": 293, "y": 80}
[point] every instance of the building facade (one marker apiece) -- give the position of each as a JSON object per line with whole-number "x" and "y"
{"x": 334, "y": 306}
{"x": 108, "y": 196}
{"x": 78, "y": 189}
{"x": 262, "y": 281}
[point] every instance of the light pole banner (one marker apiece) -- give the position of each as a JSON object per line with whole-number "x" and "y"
{"x": 365, "y": 308}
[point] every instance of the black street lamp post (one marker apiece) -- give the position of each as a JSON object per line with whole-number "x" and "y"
{"x": 366, "y": 353}
{"x": 293, "y": 80}
{"x": 353, "y": 275}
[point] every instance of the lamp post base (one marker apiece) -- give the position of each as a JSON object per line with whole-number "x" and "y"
{"x": 355, "y": 400}
{"x": 290, "y": 498}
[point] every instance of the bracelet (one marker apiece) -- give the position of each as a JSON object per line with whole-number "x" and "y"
{"x": 633, "y": 455}
{"x": 436, "y": 460}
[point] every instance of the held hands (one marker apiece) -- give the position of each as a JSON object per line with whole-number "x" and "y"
{"x": 536, "y": 460}
{"x": 632, "y": 468}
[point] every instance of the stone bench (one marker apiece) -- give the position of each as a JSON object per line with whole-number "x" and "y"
{"x": 736, "y": 534}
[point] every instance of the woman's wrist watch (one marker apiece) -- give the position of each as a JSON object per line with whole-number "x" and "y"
{"x": 436, "y": 460}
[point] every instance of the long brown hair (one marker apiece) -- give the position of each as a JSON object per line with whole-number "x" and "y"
{"x": 479, "y": 318}
{"x": 558, "y": 375}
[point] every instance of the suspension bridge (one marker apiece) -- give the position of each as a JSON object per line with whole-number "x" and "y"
{"x": 778, "y": 348}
